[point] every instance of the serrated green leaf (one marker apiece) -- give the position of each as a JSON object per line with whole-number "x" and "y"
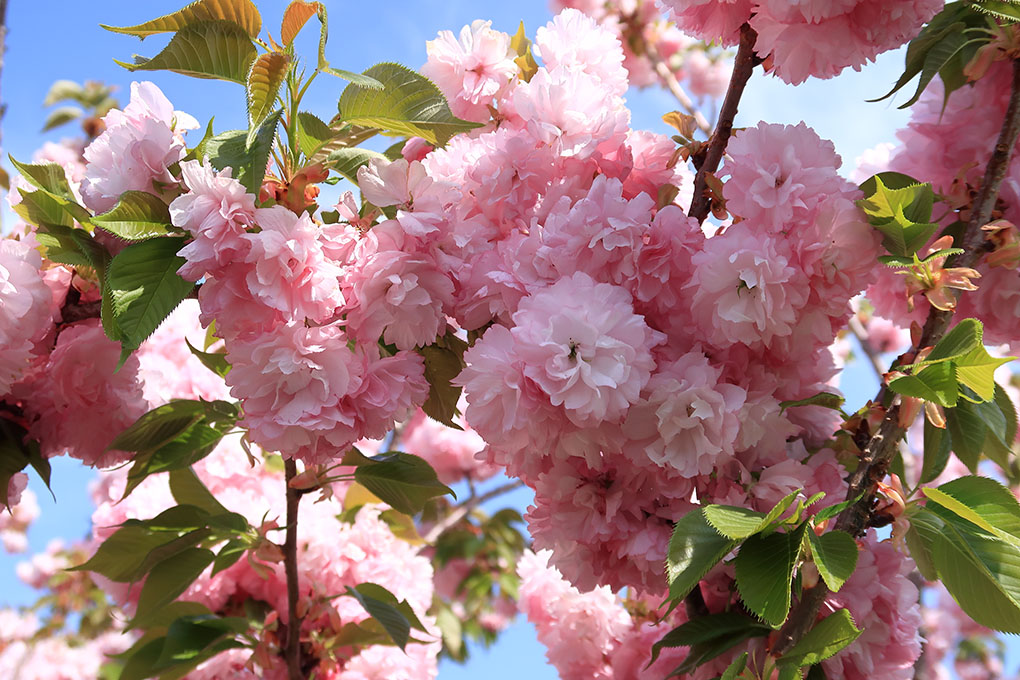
{"x": 706, "y": 651}
{"x": 49, "y": 177}
{"x": 160, "y": 426}
{"x": 138, "y": 215}
{"x": 1005, "y": 11}
{"x": 243, "y": 13}
{"x": 967, "y": 434}
{"x": 231, "y": 150}
{"x": 694, "y": 548}
{"x": 764, "y": 574}
{"x": 835, "y": 555}
{"x": 983, "y": 502}
{"x": 409, "y": 104}
{"x": 737, "y": 667}
{"x": 187, "y": 449}
{"x": 404, "y": 481}
{"x": 168, "y": 579}
{"x": 346, "y": 161}
{"x": 826, "y": 639}
{"x": 145, "y": 287}
{"x": 191, "y": 640}
{"x": 119, "y": 557}
{"x": 779, "y": 508}
{"x": 976, "y": 370}
{"x": 981, "y": 572}
{"x": 312, "y": 133}
{"x": 902, "y": 215}
{"x": 706, "y": 629}
{"x": 733, "y": 522}
{"x": 213, "y": 49}
{"x": 75, "y": 247}
{"x": 935, "y": 383}
{"x": 963, "y": 338}
{"x": 323, "y": 65}
{"x": 267, "y": 73}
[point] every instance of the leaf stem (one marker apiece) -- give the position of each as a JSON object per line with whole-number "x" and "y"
{"x": 882, "y": 446}
{"x": 743, "y": 65}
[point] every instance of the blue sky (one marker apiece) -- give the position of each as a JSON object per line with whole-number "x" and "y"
{"x": 48, "y": 41}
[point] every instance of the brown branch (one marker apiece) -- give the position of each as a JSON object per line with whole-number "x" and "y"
{"x": 676, "y": 89}
{"x": 462, "y": 510}
{"x": 742, "y": 67}
{"x": 883, "y": 444}
{"x": 292, "y": 644}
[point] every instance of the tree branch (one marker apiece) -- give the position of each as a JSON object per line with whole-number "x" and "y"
{"x": 742, "y": 67}
{"x": 462, "y": 510}
{"x": 882, "y": 446}
{"x": 676, "y": 89}
{"x": 292, "y": 645}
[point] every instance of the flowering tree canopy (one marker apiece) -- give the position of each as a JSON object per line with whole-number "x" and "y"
{"x": 644, "y": 330}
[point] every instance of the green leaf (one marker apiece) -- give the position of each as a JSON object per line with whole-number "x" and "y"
{"x": 145, "y": 287}
{"x": 409, "y": 104}
{"x": 75, "y": 247}
{"x": 49, "y": 177}
{"x": 833, "y": 510}
{"x": 964, "y": 338}
{"x": 212, "y": 49}
{"x": 170, "y": 578}
{"x": 827, "y": 638}
{"x": 138, "y": 215}
{"x": 228, "y": 555}
{"x": 694, "y": 548}
{"x": 188, "y": 448}
{"x": 188, "y": 637}
{"x": 982, "y": 501}
{"x": 444, "y": 360}
{"x": 452, "y": 631}
{"x": 403, "y": 481}
{"x": 120, "y": 556}
{"x": 733, "y": 522}
{"x": 935, "y": 383}
{"x": 312, "y": 133}
{"x": 736, "y": 668}
{"x": 706, "y": 629}
{"x": 937, "y": 444}
{"x": 160, "y": 426}
{"x": 981, "y": 571}
{"x": 826, "y": 399}
{"x": 976, "y": 370}
{"x": 63, "y": 90}
{"x": 214, "y": 361}
{"x": 764, "y": 573}
{"x": 706, "y": 651}
{"x": 920, "y": 536}
{"x": 835, "y": 555}
{"x": 1005, "y": 11}
{"x": 396, "y": 618}
{"x": 264, "y": 79}
{"x": 346, "y": 161}
{"x": 248, "y": 159}
{"x": 243, "y": 13}
{"x": 61, "y": 116}
{"x": 966, "y": 433}
{"x": 188, "y": 489}
{"x": 901, "y": 215}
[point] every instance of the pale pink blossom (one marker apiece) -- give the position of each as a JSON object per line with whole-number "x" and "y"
{"x": 217, "y": 211}
{"x": 136, "y": 149}
{"x": 471, "y": 70}
{"x": 384, "y": 183}
{"x": 27, "y": 309}
{"x": 576, "y": 42}
{"x": 582, "y": 343}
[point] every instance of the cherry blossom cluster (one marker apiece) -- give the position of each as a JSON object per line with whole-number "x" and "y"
{"x": 807, "y": 38}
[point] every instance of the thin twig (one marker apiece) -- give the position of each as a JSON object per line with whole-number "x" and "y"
{"x": 677, "y": 90}
{"x": 292, "y": 646}
{"x": 743, "y": 65}
{"x": 861, "y": 333}
{"x": 462, "y": 510}
{"x": 883, "y": 444}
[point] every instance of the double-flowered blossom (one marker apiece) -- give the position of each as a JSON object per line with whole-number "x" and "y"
{"x": 136, "y": 149}
{"x": 26, "y": 309}
{"x": 807, "y": 38}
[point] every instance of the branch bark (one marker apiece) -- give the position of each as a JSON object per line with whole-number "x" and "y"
{"x": 743, "y": 65}
{"x": 882, "y": 446}
{"x": 292, "y": 645}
